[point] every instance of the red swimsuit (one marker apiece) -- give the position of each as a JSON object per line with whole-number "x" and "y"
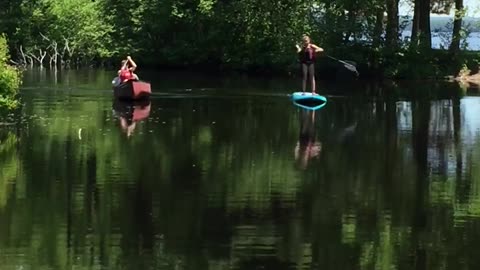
{"x": 307, "y": 55}
{"x": 125, "y": 75}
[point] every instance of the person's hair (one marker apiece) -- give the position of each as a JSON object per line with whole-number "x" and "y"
{"x": 124, "y": 62}
{"x": 306, "y": 37}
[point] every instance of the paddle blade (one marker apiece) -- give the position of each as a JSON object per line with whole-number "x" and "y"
{"x": 351, "y": 68}
{"x": 348, "y": 65}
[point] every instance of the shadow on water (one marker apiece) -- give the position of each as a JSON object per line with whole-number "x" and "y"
{"x": 385, "y": 176}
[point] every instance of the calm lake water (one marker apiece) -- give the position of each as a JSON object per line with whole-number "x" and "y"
{"x": 442, "y": 40}
{"x": 225, "y": 173}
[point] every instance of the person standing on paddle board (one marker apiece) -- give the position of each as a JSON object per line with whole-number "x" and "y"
{"x": 307, "y": 59}
{"x": 126, "y": 70}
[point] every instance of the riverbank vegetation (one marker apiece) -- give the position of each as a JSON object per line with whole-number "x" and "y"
{"x": 255, "y": 36}
{"x": 9, "y": 78}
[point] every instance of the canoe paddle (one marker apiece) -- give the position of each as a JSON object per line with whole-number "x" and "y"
{"x": 348, "y": 66}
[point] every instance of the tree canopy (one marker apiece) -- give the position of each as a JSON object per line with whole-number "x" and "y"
{"x": 244, "y": 35}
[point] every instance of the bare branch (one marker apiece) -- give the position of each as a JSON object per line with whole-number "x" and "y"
{"x": 44, "y": 37}
{"x": 23, "y": 55}
{"x": 14, "y": 63}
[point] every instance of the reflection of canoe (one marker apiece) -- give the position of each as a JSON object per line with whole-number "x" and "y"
{"x": 308, "y": 100}
{"x": 132, "y": 111}
{"x": 132, "y": 90}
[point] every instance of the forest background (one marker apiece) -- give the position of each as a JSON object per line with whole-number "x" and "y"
{"x": 248, "y": 35}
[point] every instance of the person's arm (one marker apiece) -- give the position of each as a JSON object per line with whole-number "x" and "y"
{"x": 125, "y": 65}
{"x": 132, "y": 63}
{"x": 317, "y": 49}
{"x": 298, "y": 48}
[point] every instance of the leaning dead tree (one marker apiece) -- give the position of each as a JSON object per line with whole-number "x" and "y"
{"x": 26, "y": 58}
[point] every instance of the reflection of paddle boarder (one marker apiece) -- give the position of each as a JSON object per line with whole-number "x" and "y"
{"x": 307, "y": 146}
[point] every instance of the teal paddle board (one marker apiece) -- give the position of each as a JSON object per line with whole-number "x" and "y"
{"x": 308, "y": 100}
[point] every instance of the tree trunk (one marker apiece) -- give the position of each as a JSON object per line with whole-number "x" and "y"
{"x": 378, "y": 30}
{"x": 457, "y": 27}
{"x": 424, "y": 24}
{"x": 377, "y": 37}
{"x": 415, "y": 24}
{"x": 421, "y": 33}
{"x": 392, "y": 23}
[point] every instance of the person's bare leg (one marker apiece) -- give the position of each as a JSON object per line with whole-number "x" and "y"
{"x": 305, "y": 77}
{"x": 311, "y": 71}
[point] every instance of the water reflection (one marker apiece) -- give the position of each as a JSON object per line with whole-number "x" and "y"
{"x": 130, "y": 113}
{"x": 9, "y": 161}
{"x": 210, "y": 183}
{"x": 307, "y": 146}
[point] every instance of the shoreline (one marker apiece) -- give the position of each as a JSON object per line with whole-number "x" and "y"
{"x": 470, "y": 80}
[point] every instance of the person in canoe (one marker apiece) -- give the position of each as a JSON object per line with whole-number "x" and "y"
{"x": 126, "y": 70}
{"x": 307, "y": 59}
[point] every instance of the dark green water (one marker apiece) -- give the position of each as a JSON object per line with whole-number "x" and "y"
{"x": 228, "y": 174}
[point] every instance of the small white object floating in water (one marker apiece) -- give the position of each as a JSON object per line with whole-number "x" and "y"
{"x": 309, "y": 101}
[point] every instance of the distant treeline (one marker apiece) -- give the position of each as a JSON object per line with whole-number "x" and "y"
{"x": 445, "y": 24}
{"x": 245, "y": 35}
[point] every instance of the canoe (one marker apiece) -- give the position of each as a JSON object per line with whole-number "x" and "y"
{"x": 308, "y": 100}
{"x": 132, "y": 89}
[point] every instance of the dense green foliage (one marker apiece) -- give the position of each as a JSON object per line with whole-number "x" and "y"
{"x": 245, "y": 35}
{"x": 9, "y": 78}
